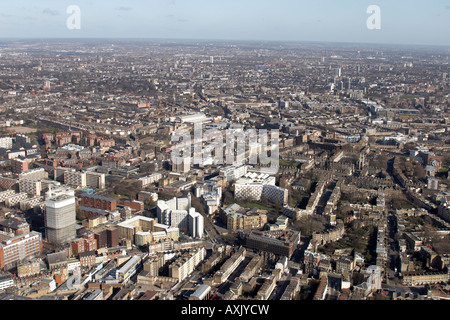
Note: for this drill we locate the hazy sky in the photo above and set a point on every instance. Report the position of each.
(402, 21)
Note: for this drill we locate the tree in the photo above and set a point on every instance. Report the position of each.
(419, 172)
(310, 224)
(197, 204)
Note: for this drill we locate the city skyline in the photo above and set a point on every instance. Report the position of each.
(402, 23)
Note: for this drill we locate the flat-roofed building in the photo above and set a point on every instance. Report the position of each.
(129, 268)
(254, 186)
(142, 230)
(97, 201)
(15, 199)
(95, 180)
(31, 187)
(246, 219)
(18, 248)
(280, 242)
(60, 216)
(183, 266)
(75, 178)
(34, 174)
(230, 265)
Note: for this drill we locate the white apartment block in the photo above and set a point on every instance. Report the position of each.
(34, 174)
(234, 172)
(254, 185)
(16, 154)
(6, 194)
(210, 193)
(28, 204)
(178, 213)
(195, 224)
(182, 165)
(145, 181)
(75, 178)
(31, 187)
(186, 264)
(14, 200)
(6, 142)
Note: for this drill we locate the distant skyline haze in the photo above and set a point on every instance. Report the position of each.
(402, 22)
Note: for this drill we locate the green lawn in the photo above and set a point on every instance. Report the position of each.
(254, 205)
(289, 163)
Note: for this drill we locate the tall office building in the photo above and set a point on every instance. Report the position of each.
(60, 215)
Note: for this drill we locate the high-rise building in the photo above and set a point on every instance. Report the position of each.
(60, 215)
(182, 165)
(338, 72)
(195, 223)
(179, 213)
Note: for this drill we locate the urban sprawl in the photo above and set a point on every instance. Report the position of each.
(94, 207)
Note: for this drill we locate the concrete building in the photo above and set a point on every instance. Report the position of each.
(254, 186)
(15, 199)
(142, 230)
(6, 281)
(95, 180)
(6, 194)
(195, 223)
(230, 265)
(178, 213)
(281, 243)
(187, 263)
(18, 248)
(60, 216)
(233, 172)
(34, 174)
(31, 187)
(74, 178)
(182, 165)
(6, 142)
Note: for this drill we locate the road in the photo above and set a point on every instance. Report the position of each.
(393, 248)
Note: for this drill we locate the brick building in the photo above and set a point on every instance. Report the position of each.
(99, 202)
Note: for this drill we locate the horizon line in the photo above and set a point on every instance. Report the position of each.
(328, 42)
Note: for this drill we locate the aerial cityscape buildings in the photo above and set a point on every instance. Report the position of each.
(97, 204)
